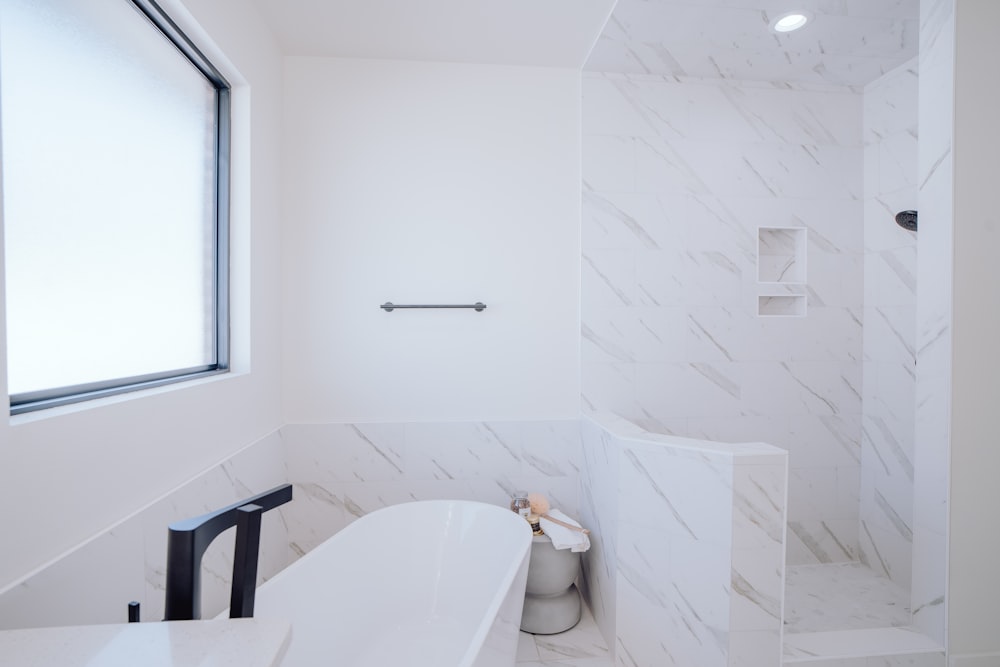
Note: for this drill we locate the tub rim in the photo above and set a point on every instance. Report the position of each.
(490, 613)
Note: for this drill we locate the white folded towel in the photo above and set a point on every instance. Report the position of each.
(562, 537)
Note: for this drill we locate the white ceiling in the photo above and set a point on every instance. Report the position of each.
(547, 33)
(848, 42)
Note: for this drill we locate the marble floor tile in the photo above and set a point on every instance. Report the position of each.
(842, 596)
(580, 646)
(526, 649)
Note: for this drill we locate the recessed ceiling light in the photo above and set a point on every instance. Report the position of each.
(790, 21)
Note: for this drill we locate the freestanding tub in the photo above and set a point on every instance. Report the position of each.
(436, 583)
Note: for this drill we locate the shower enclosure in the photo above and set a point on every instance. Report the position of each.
(744, 280)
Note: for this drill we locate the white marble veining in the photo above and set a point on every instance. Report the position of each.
(581, 642)
(256, 468)
(933, 319)
(835, 388)
(599, 501)
(713, 578)
(889, 378)
(842, 596)
(676, 524)
(244, 642)
(678, 175)
(343, 471)
(696, 534)
(580, 646)
(339, 472)
(758, 556)
(847, 43)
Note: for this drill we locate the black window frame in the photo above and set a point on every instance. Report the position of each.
(48, 398)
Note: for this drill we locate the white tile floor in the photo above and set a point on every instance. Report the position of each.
(842, 596)
(846, 615)
(580, 646)
(818, 599)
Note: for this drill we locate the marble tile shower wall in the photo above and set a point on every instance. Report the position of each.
(677, 178)
(344, 471)
(932, 448)
(599, 512)
(890, 137)
(95, 582)
(686, 566)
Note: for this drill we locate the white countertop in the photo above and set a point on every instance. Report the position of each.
(242, 642)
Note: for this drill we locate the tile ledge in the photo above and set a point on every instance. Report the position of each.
(806, 647)
(744, 452)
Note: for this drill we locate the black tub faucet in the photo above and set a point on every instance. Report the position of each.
(187, 541)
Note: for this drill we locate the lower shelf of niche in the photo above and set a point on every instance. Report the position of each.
(781, 305)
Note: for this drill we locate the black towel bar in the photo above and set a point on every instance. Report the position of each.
(478, 306)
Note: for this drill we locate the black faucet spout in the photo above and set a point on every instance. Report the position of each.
(188, 539)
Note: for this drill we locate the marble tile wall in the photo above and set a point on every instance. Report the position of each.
(933, 338)
(760, 497)
(95, 581)
(677, 177)
(888, 396)
(698, 545)
(849, 43)
(341, 472)
(599, 513)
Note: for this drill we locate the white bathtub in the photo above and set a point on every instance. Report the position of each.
(435, 583)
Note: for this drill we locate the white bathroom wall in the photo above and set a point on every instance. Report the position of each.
(974, 494)
(890, 138)
(678, 175)
(67, 474)
(95, 581)
(417, 182)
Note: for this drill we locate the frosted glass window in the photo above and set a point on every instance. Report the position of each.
(113, 150)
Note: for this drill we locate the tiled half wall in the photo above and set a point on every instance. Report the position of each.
(94, 582)
(687, 546)
(339, 472)
(687, 562)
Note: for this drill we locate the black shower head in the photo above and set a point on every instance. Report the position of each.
(907, 220)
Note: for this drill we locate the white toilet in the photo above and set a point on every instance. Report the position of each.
(551, 599)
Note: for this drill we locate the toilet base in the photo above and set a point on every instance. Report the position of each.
(551, 614)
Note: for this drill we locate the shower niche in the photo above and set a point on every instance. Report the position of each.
(781, 271)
